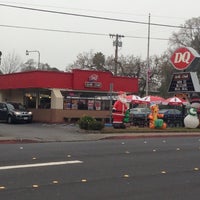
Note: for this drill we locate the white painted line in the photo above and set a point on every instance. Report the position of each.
(41, 164)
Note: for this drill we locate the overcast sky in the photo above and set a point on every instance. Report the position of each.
(59, 49)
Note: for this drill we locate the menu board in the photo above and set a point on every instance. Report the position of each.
(182, 82)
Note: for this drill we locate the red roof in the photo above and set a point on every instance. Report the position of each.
(76, 80)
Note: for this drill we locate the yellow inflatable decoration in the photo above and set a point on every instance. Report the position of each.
(154, 118)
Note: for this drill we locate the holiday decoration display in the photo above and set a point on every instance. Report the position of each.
(191, 120)
(120, 114)
(155, 120)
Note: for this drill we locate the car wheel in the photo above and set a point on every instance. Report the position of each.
(10, 121)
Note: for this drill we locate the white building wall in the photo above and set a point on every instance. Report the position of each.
(11, 95)
(56, 99)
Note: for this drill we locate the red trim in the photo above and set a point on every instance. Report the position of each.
(74, 80)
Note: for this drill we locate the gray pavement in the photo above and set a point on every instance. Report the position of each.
(41, 132)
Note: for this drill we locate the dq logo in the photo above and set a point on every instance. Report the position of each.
(93, 77)
(183, 57)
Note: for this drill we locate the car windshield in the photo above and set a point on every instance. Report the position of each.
(163, 111)
(140, 110)
(16, 106)
(170, 111)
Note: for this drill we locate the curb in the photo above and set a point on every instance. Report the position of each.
(149, 136)
(18, 141)
(96, 137)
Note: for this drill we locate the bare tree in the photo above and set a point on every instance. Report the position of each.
(99, 61)
(130, 66)
(83, 61)
(163, 70)
(188, 36)
(29, 65)
(10, 63)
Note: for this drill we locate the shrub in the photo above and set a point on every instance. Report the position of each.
(85, 121)
(96, 125)
(89, 123)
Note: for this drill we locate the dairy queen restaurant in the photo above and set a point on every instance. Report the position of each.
(58, 97)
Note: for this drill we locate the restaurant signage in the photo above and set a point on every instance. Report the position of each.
(93, 82)
(183, 57)
(184, 82)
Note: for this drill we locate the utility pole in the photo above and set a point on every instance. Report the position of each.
(147, 70)
(111, 91)
(117, 43)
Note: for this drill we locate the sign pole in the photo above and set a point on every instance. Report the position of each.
(147, 70)
(111, 91)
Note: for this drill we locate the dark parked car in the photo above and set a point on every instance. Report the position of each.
(139, 116)
(14, 112)
(173, 117)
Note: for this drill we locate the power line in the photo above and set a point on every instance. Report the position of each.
(77, 9)
(51, 30)
(140, 37)
(92, 10)
(74, 32)
(90, 16)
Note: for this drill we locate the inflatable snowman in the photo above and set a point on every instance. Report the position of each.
(191, 120)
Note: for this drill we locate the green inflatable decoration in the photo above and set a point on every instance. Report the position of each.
(127, 116)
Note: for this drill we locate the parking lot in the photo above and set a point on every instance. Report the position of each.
(39, 131)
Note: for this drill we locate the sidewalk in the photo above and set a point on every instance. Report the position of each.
(38, 132)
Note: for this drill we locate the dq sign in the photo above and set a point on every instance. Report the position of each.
(182, 58)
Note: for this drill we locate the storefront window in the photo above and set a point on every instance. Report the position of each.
(67, 104)
(45, 101)
(90, 104)
(81, 103)
(40, 99)
(98, 105)
(73, 101)
(30, 100)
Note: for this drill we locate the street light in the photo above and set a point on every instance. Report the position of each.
(27, 53)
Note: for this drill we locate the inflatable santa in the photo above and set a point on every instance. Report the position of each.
(120, 110)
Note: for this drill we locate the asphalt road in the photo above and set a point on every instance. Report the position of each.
(139, 169)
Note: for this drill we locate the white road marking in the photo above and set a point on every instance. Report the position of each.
(41, 164)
